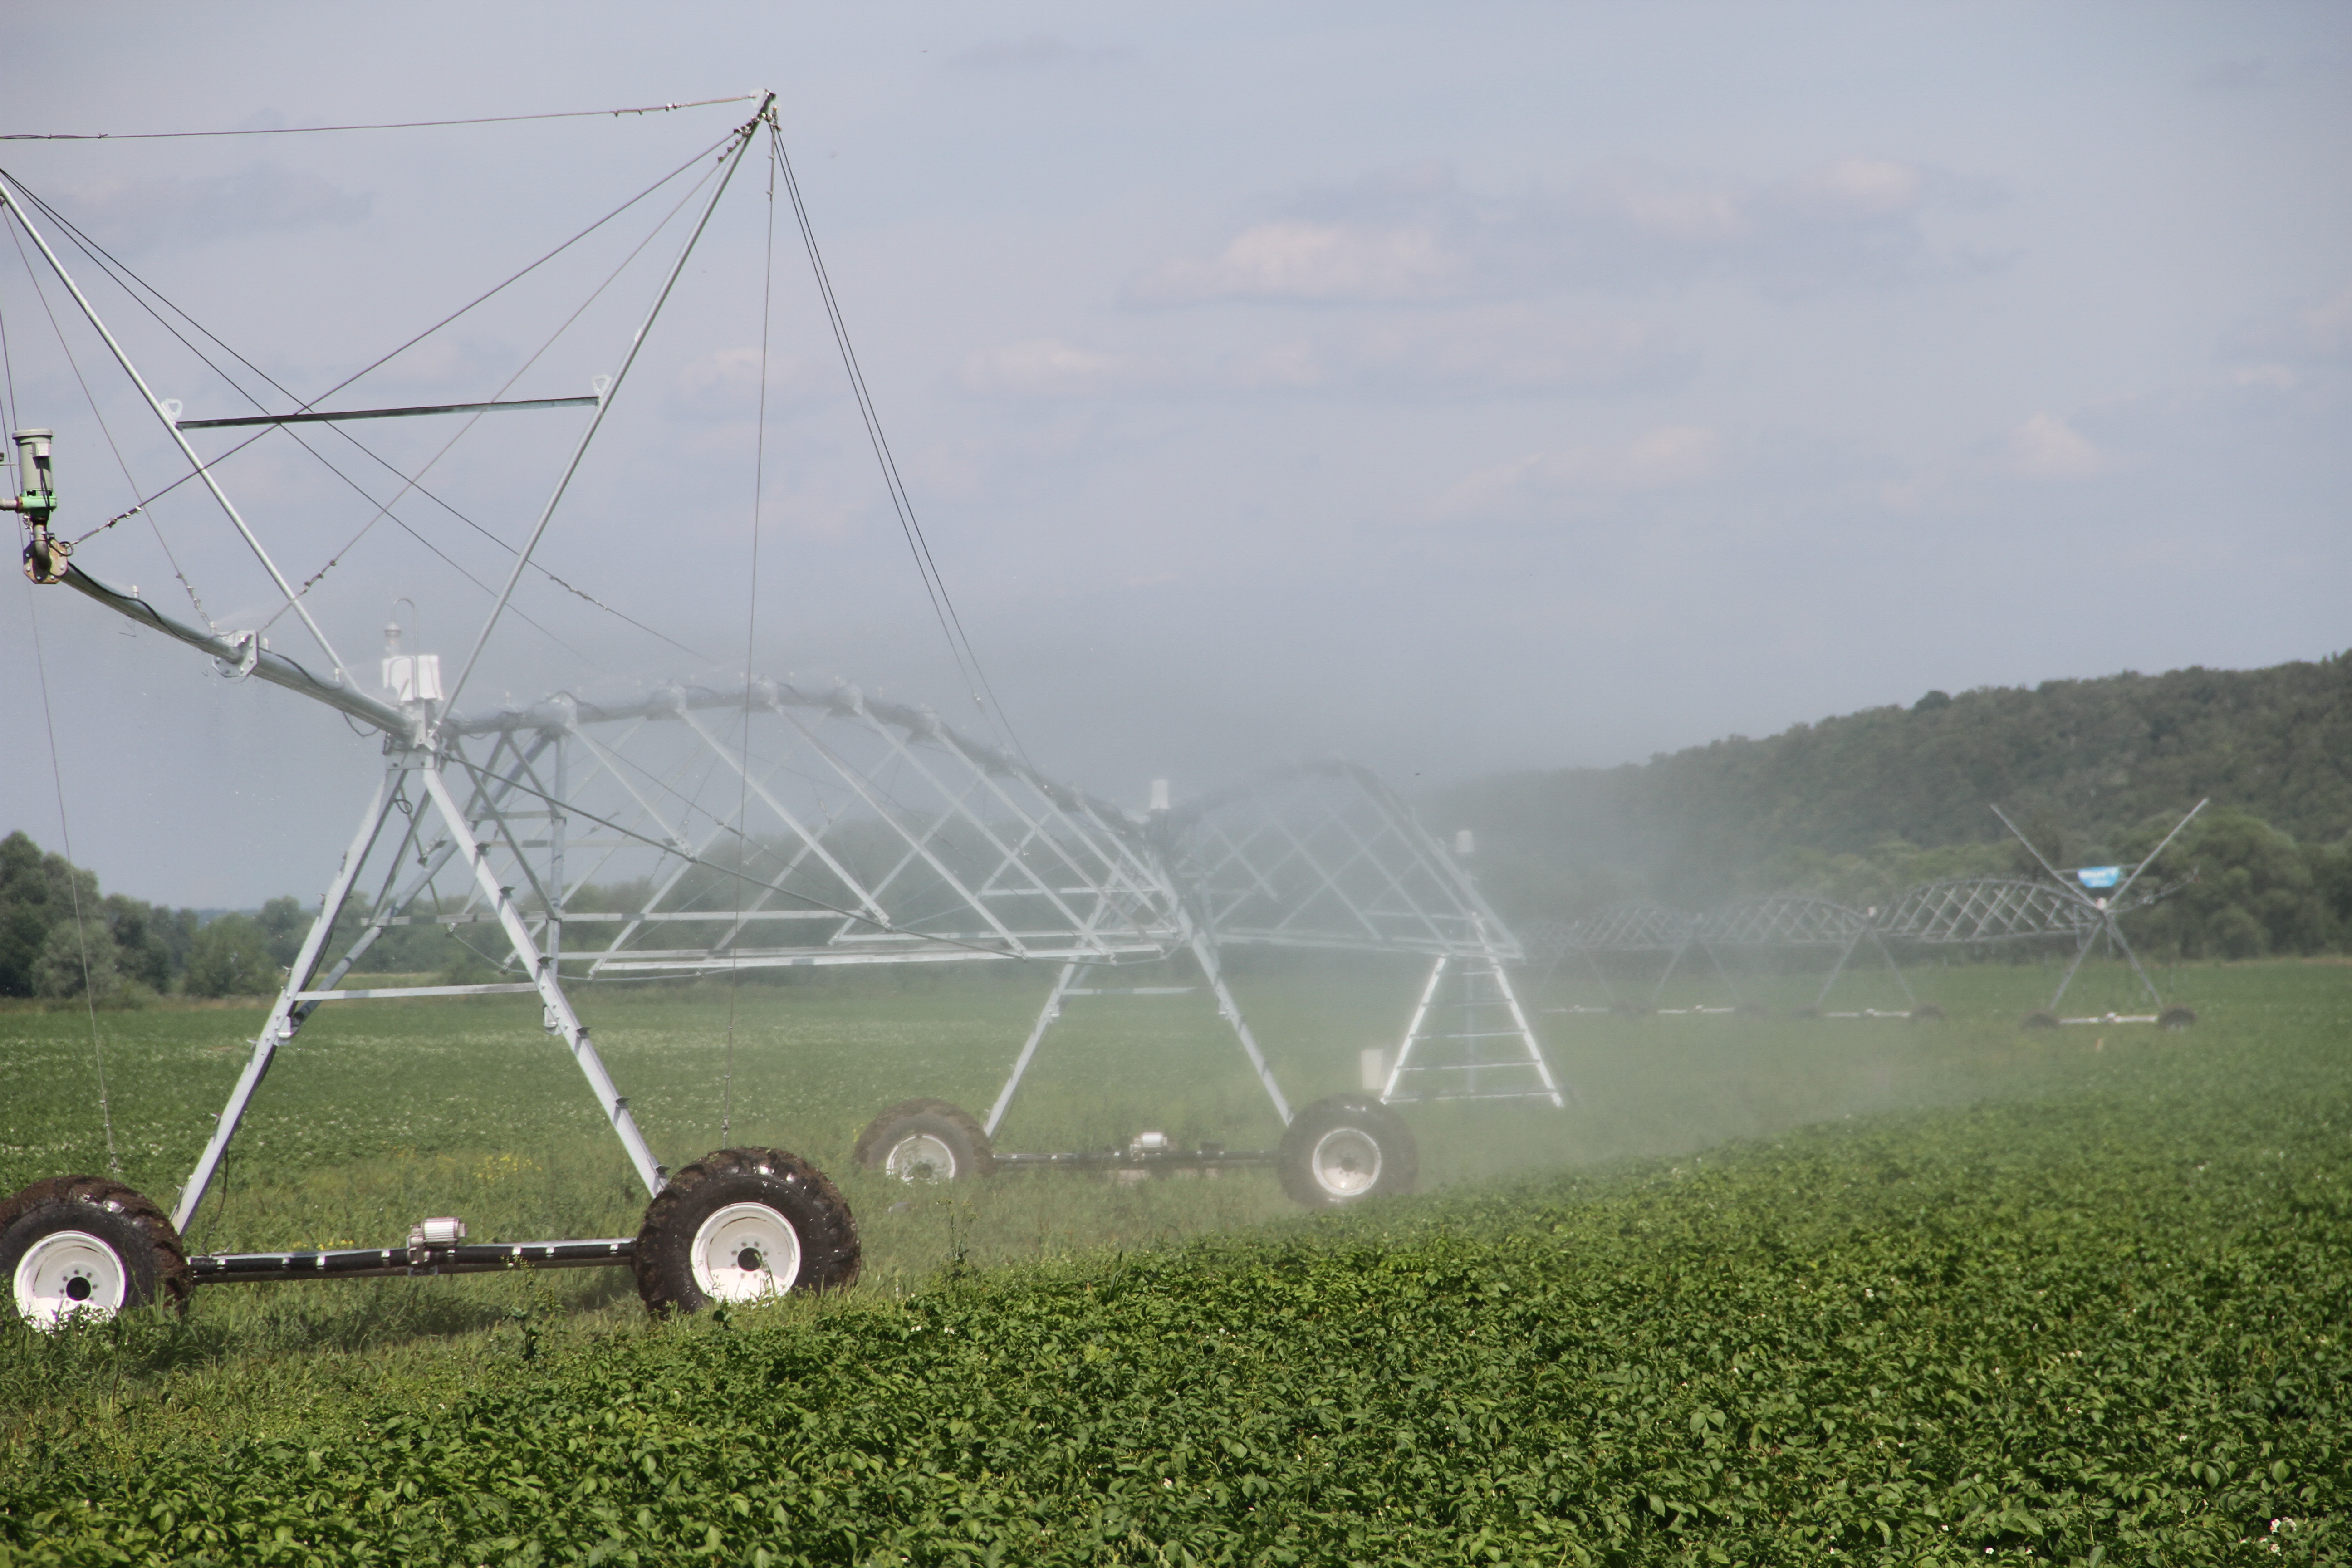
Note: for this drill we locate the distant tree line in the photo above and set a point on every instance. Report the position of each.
(1858, 807)
(131, 950)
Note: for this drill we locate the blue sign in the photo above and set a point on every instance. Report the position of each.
(2099, 876)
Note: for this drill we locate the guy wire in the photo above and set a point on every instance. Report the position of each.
(750, 638)
(73, 887)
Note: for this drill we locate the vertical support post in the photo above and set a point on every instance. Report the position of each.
(560, 1018)
(1888, 953)
(1069, 976)
(1720, 972)
(2082, 951)
(1608, 992)
(1412, 1029)
(286, 1015)
(1837, 968)
(1673, 961)
(1204, 953)
(2115, 935)
(1526, 1033)
(556, 820)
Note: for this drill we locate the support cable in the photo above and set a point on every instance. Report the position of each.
(155, 405)
(410, 482)
(73, 885)
(83, 382)
(126, 277)
(733, 873)
(392, 125)
(547, 515)
(68, 349)
(92, 246)
(750, 639)
(942, 607)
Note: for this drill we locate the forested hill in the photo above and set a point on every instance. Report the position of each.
(1858, 804)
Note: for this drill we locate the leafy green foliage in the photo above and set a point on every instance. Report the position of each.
(2257, 891)
(231, 957)
(1861, 805)
(2099, 1319)
(131, 948)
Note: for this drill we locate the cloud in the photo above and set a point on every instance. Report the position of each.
(2314, 332)
(2047, 448)
(129, 217)
(1418, 235)
(1669, 457)
(1477, 353)
(1038, 51)
(724, 384)
(1048, 367)
(1295, 259)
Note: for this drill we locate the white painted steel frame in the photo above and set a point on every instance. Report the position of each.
(298, 999)
(864, 832)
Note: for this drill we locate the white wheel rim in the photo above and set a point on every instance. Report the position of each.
(1346, 1162)
(69, 1273)
(746, 1251)
(921, 1157)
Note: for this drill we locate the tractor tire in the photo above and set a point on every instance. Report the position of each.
(1345, 1149)
(1926, 1012)
(2176, 1017)
(2040, 1018)
(926, 1140)
(743, 1225)
(89, 1246)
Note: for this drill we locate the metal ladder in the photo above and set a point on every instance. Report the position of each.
(1470, 1039)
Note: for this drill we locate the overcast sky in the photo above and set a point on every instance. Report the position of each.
(1459, 389)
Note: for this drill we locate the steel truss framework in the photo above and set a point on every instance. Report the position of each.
(1789, 923)
(756, 825)
(2096, 912)
(767, 825)
(1777, 924)
(760, 826)
(1959, 911)
(1967, 911)
(1325, 855)
(1620, 930)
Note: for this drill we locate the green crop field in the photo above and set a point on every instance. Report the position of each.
(1774, 1290)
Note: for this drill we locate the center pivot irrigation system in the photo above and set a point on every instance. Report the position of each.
(2081, 906)
(1319, 856)
(759, 823)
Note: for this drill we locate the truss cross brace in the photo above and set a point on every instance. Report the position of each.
(1065, 986)
(297, 1000)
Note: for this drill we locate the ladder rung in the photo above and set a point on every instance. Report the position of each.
(1477, 1035)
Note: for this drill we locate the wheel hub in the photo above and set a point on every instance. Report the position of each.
(744, 1252)
(69, 1273)
(921, 1157)
(1346, 1162)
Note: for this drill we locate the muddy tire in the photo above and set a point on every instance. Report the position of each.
(88, 1247)
(1926, 1012)
(2040, 1018)
(1751, 1010)
(926, 1140)
(1345, 1149)
(741, 1224)
(2176, 1017)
